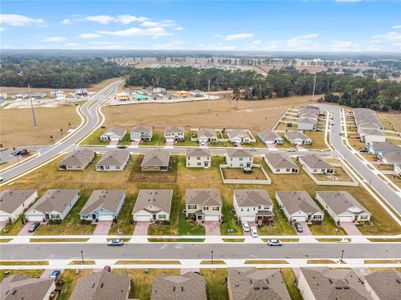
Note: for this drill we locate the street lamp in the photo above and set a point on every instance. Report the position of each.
(82, 255)
(212, 257)
(342, 256)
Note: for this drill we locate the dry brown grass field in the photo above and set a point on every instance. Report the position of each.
(394, 120)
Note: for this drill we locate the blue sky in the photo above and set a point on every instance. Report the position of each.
(309, 25)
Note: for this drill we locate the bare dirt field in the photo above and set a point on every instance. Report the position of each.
(16, 125)
(393, 120)
(252, 115)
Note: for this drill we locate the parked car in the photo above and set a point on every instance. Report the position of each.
(291, 150)
(245, 226)
(1, 179)
(122, 147)
(33, 227)
(248, 170)
(275, 243)
(107, 269)
(254, 232)
(298, 227)
(55, 274)
(115, 243)
(252, 150)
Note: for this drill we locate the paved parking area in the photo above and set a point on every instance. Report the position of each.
(141, 228)
(102, 227)
(169, 144)
(24, 230)
(305, 228)
(212, 227)
(350, 228)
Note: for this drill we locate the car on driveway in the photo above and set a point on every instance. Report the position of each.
(274, 243)
(55, 274)
(291, 150)
(33, 227)
(254, 232)
(298, 227)
(106, 269)
(115, 243)
(245, 226)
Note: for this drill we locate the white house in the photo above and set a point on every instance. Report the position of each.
(203, 204)
(198, 158)
(206, 135)
(371, 135)
(253, 206)
(281, 164)
(113, 160)
(113, 134)
(390, 158)
(239, 136)
(14, 202)
(239, 158)
(315, 164)
(270, 137)
(103, 205)
(173, 133)
(153, 205)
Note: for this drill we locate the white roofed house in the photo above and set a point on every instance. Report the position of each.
(203, 204)
(103, 205)
(371, 135)
(297, 138)
(113, 134)
(281, 164)
(141, 133)
(239, 158)
(198, 158)
(390, 158)
(206, 135)
(153, 205)
(270, 137)
(239, 136)
(14, 202)
(315, 164)
(253, 206)
(77, 161)
(176, 134)
(114, 160)
(308, 117)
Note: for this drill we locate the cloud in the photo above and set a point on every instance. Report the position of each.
(150, 24)
(396, 27)
(304, 42)
(66, 21)
(237, 36)
(256, 42)
(135, 31)
(178, 28)
(54, 39)
(389, 36)
(344, 46)
(18, 20)
(128, 19)
(89, 35)
(102, 19)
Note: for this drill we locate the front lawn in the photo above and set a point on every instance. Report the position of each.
(94, 138)
(216, 283)
(229, 224)
(124, 225)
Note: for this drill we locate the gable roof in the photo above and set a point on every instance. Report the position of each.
(114, 158)
(174, 129)
(17, 287)
(239, 152)
(198, 152)
(280, 161)
(292, 135)
(295, 201)
(205, 197)
(106, 199)
(187, 286)
(153, 201)
(119, 131)
(392, 157)
(387, 146)
(142, 129)
(55, 200)
(314, 161)
(341, 201)
(208, 132)
(252, 283)
(269, 136)
(242, 133)
(80, 158)
(10, 200)
(102, 286)
(386, 284)
(249, 198)
(156, 158)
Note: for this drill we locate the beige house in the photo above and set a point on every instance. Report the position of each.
(113, 134)
(113, 160)
(315, 164)
(173, 133)
(153, 205)
(239, 136)
(156, 160)
(253, 206)
(78, 160)
(141, 133)
(270, 137)
(239, 158)
(384, 285)
(203, 204)
(206, 135)
(281, 164)
(18, 286)
(297, 138)
(14, 202)
(198, 158)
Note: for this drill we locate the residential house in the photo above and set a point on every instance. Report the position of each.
(81, 92)
(58, 94)
(270, 137)
(173, 133)
(156, 160)
(253, 283)
(239, 136)
(101, 286)
(253, 206)
(78, 160)
(366, 118)
(196, 93)
(188, 286)
(14, 202)
(308, 117)
(281, 163)
(298, 206)
(18, 286)
(297, 138)
(198, 158)
(54, 204)
(203, 204)
(159, 90)
(113, 160)
(390, 158)
(379, 148)
(326, 284)
(397, 169)
(371, 135)
(207, 135)
(342, 207)
(153, 205)
(103, 205)
(384, 285)
(239, 158)
(141, 133)
(314, 164)
(113, 134)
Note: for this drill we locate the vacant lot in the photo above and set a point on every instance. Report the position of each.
(16, 125)
(391, 121)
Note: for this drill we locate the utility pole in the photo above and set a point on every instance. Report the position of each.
(314, 88)
(342, 256)
(32, 108)
(82, 255)
(212, 257)
(208, 88)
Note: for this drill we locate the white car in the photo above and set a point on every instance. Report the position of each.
(275, 243)
(254, 232)
(245, 226)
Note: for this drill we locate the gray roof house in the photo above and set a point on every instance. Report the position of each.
(78, 160)
(239, 158)
(156, 160)
(188, 286)
(198, 158)
(297, 138)
(102, 286)
(308, 117)
(206, 135)
(299, 206)
(252, 283)
(174, 133)
(239, 136)
(18, 286)
(54, 204)
(141, 133)
(153, 205)
(14, 202)
(253, 206)
(270, 137)
(314, 164)
(114, 134)
(113, 160)
(369, 135)
(384, 285)
(379, 148)
(203, 204)
(281, 163)
(342, 207)
(326, 284)
(390, 158)
(103, 205)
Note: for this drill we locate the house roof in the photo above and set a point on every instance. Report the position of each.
(80, 158)
(239, 152)
(335, 284)
(208, 132)
(252, 283)
(156, 158)
(198, 152)
(103, 199)
(292, 135)
(206, 197)
(370, 131)
(187, 286)
(341, 201)
(280, 161)
(242, 133)
(385, 146)
(392, 157)
(114, 158)
(142, 129)
(249, 198)
(308, 120)
(102, 286)
(366, 118)
(268, 135)
(10, 200)
(55, 200)
(314, 161)
(298, 201)
(174, 129)
(119, 131)
(386, 284)
(18, 286)
(153, 201)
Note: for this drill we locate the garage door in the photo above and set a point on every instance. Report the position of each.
(299, 219)
(4, 218)
(248, 219)
(346, 218)
(106, 218)
(211, 218)
(142, 218)
(35, 218)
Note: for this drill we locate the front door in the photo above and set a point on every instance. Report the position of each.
(94, 217)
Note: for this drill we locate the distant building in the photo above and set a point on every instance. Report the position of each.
(173, 133)
(206, 135)
(122, 96)
(81, 92)
(113, 134)
(141, 133)
(270, 137)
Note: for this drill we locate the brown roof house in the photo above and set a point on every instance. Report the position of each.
(54, 204)
(14, 202)
(384, 285)
(188, 286)
(113, 160)
(239, 158)
(18, 287)
(198, 158)
(77, 161)
(253, 206)
(153, 205)
(203, 204)
(252, 283)
(102, 286)
(239, 136)
(281, 164)
(103, 205)
(270, 137)
(297, 138)
(315, 164)
(156, 160)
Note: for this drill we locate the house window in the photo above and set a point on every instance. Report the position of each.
(206, 208)
(363, 217)
(162, 216)
(260, 207)
(198, 158)
(242, 209)
(199, 164)
(241, 159)
(317, 217)
(191, 206)
(216, 208)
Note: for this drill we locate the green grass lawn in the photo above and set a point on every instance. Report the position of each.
(328, 227)
(216, 283)
(189, 227)
(94, 138)
(124, 225)
(229, 224)
(280, 226)
(126, 141)
(291, 283)
(157, 140)
(286, 143)
(318, 141)
(30, 273)
(70, 278)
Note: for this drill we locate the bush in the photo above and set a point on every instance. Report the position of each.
(55, 222)
(86, 222)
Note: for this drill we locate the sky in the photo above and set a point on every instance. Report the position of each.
(286, 25)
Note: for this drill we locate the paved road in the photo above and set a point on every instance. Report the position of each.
(197, 251)
(336, 141)
(7, 154)
(90, 111)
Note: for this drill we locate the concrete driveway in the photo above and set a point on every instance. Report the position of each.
(212, 227)
(135, 144)
(24, 230)
(251, 224)
(102, 227)
(141, 228)
(305, 228)
(350, 228)
(2, 225)
(47, 273)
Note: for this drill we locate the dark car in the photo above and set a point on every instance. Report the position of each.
(107, 269)
(298, 227)
(122, 147)
(115, 243)
(33, 227)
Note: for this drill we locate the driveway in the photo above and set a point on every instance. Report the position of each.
(113, 143)
(102, 227)
(350, 228)
(212, 227)
(24, 230)
(169, 144)
(141, 228)
(305, 228)
(251, 224)
(2, 225)
(46, 273)
(135, 144)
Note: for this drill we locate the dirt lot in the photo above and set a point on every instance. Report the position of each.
(16, 126)
(391, 121)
